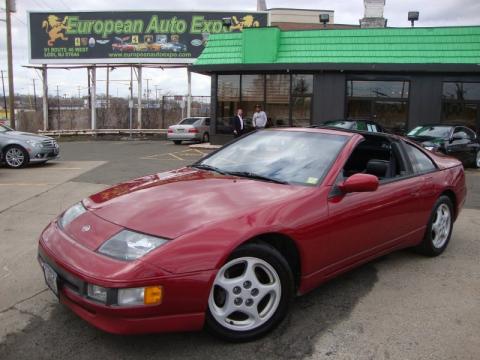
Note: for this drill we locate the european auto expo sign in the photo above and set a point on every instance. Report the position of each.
(129, 37)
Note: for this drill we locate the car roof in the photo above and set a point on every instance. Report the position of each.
(339, 131)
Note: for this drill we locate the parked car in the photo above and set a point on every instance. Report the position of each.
(458, 141)
(20, 148)
(228, 242)
(190, 129)
(355, 124)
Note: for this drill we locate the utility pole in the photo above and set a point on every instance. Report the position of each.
(58, 108)
(34, 94)
(11, 93)
(4, 96)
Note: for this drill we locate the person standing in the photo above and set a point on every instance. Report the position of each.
(238, 124)
(259, 120)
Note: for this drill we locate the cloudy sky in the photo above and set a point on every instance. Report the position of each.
(432, 13)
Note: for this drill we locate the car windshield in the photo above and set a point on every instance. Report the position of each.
(4, 128)
(294, 157)
(340, 124)
(189, 121)
(431, 131)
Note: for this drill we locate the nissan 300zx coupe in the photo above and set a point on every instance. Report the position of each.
(226, 243)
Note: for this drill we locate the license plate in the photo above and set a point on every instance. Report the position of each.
(50, 278)
(180, 130)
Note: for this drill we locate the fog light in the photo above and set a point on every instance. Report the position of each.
(97, 293)
(151, 295)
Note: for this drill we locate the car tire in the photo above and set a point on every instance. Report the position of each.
(254, 306)
(205, 138)
(15, 157)
(177, 142)
(476, 161)
(439, 228)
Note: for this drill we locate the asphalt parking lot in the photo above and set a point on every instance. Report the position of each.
(402, 306)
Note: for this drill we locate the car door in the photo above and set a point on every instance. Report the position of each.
(458, 145)
(362, 224)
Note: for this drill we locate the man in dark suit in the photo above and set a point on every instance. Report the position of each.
(238, 124)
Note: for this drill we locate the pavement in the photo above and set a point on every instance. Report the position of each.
(401, 306)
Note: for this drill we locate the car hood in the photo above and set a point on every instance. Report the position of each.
(173, 203)
(26, 136)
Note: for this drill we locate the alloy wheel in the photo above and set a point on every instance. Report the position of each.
(441, 226)
(245, 294)
(14, 157)
(478, 159)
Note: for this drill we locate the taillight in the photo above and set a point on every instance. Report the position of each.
(193, 130)
(170, 130)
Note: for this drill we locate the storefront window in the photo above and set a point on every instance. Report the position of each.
(461, 91)
(302, 84)
(287, 99)
(253, 92)
(378, 89)
(278, 99)
(228, 100)
(461, 104)
(301, 108)
(385, 102)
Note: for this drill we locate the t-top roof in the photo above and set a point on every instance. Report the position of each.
(270, 45)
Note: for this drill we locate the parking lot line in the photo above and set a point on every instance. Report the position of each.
(24, 184)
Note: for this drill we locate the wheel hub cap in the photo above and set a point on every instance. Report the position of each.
(14, 157)
(441, 226)
(245, 294)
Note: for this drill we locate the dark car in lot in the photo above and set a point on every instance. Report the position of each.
(355, 124)
(457, 141)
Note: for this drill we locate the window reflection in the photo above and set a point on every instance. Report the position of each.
(385, 102)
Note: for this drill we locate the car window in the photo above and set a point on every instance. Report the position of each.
(296, 157)
(375, 156)
(431, 131)
(361, 125)
(341, 124)
(207, 122)
(421, 163)
(464, 133)
(188, 121)
(4, 128)
(459, 132)
(372, 127)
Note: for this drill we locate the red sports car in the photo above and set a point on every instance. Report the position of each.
(227, 242)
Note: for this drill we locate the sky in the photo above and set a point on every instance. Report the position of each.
(174, 81)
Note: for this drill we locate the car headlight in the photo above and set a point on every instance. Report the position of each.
(98, 293)
(150, 295)
(129, 245)
(430, 148)
(34, 143)
(71, 214)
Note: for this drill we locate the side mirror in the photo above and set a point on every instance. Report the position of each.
(359, 183)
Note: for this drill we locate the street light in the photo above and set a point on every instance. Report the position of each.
(413, 16)
(324, 19)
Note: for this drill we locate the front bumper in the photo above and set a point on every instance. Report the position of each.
(43, 154)
(183, 305)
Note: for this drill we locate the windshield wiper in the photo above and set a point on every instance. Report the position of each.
(251, 175)
(208, 167)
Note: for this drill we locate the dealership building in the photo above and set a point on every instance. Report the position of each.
(399, 77)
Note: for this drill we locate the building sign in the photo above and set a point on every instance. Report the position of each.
(129, 37)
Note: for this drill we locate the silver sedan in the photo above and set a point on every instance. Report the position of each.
(17, 149)
(190, 129)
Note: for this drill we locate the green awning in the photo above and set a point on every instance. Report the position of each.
(447, 45)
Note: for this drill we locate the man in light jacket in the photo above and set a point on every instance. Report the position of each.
(259, 120)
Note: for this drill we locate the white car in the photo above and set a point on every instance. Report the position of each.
(190, 129)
